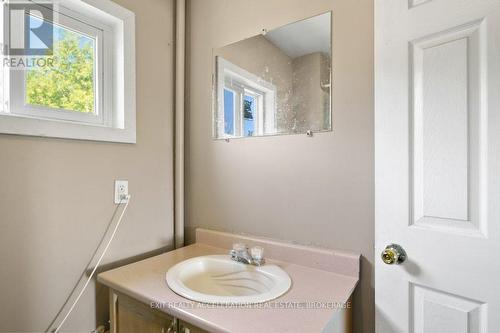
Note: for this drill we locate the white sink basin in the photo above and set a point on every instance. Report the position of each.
(218, 279)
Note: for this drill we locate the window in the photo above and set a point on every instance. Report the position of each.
(249, 113)
(71, 89)
(246, 104)
(85, 88)
(70, 85)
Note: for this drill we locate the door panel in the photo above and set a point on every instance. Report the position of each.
(436, 311)
(446, 119)
(437, 164)
(188, 328)
(131, 316)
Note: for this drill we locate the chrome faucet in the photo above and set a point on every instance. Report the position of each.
(240, 253)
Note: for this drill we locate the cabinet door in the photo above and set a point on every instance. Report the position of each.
(188, 328)
(131, 316)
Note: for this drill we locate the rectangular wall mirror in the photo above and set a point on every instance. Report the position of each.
(278, 82)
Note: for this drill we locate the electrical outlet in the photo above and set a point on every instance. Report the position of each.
(121, 191)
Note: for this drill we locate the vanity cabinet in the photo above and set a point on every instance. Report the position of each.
(128, 315)
(188, 328)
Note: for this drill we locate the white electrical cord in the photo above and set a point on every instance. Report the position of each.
(96, 265)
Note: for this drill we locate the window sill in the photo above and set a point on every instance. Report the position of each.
(19, 125)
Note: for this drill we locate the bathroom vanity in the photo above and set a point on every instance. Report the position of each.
(322, 282)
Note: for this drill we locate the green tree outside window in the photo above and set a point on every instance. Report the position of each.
(69, 83)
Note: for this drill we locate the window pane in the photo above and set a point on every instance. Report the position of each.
(248, 115)
(228, 112)
(69, 83)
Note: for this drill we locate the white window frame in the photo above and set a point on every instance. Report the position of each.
(102, 79)
(236, 79)
(113, 28)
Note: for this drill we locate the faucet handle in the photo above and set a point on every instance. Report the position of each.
(239, 247)
(257, 254)
(238, 250)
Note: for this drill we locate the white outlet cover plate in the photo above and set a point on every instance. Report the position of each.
(121, 188)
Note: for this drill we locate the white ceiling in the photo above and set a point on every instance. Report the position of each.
(303, 37)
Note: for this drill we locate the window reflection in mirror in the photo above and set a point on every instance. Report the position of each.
(275, 83)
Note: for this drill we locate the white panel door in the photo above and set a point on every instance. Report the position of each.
(437, 165)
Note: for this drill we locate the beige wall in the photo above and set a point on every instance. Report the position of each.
(310, 190)
(56, 196)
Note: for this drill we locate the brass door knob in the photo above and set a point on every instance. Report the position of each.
(393, 254)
